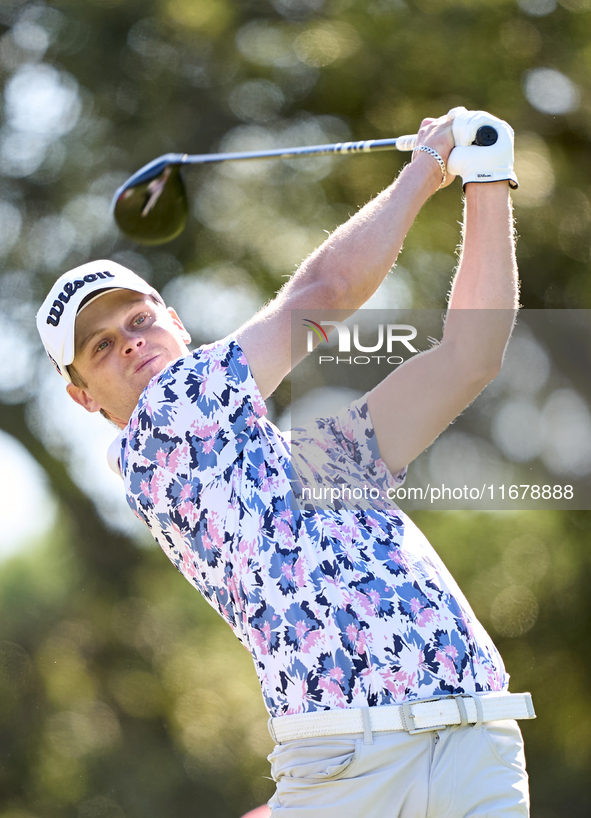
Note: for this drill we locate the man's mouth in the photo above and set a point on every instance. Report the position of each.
(144, 362)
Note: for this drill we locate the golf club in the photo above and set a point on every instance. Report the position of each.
(151, 206)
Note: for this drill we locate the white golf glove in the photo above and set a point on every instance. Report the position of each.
(475, 163)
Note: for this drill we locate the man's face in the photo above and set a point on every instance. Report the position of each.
(123, 339)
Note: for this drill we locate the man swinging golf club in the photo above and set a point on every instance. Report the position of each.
(387, 697)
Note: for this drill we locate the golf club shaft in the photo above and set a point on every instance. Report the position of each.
(156, 166)
(400, 143)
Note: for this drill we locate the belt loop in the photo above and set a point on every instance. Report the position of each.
(367, 731)
(463, 712)
(479, 713)
(272, 731)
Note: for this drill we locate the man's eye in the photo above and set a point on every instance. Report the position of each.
(102, 345)
(140, 320)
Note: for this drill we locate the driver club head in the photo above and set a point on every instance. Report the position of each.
(152, 209)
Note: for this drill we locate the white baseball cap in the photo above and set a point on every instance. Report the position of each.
(71, 293)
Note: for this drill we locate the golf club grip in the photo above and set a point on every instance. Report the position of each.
(406, 143)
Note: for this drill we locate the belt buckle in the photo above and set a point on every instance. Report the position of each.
(408, 721)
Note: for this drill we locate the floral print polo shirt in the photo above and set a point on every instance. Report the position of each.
(340, 606)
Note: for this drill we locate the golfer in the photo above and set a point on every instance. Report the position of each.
(387, 696)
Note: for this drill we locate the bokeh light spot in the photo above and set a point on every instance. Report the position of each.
(537, 8)
(76, 734)
(534, 170)
(514, 611)
(550, 91)
(566, 431)
(20, 155)
(266, 44)
(214, 303)
(39, 99)
(49, 242)
(206, 15)
(526, 559)
(324, 43)
(516, 429)
(256, 100)
(526, 367)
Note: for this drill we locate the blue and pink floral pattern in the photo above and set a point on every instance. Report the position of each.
(339, 606)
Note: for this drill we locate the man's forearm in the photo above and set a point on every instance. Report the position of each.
(487, 273)
(486, 278)
(351, 264)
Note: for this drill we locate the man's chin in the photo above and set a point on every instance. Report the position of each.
(150, 369)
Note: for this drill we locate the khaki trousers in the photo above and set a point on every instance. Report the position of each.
(456, 772)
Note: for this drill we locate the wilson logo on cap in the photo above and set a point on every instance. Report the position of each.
(57, 308)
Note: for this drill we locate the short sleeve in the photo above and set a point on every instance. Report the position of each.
(195, 418)
(339, 452)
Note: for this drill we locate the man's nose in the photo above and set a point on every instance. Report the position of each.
(131, 344)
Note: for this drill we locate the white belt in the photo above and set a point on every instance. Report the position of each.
(414, 717)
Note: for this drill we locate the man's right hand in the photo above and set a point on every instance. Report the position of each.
(436, 134)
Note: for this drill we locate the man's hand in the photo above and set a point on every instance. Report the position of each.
(473, 163)
(436, 134)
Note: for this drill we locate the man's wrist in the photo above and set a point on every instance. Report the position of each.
(478, 189)
(427, 169)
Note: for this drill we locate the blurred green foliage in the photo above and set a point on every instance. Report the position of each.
(121, 692)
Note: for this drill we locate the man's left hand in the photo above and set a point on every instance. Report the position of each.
(493, 163)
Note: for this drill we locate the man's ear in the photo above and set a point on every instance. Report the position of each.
(179, 325)
(81, 397)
